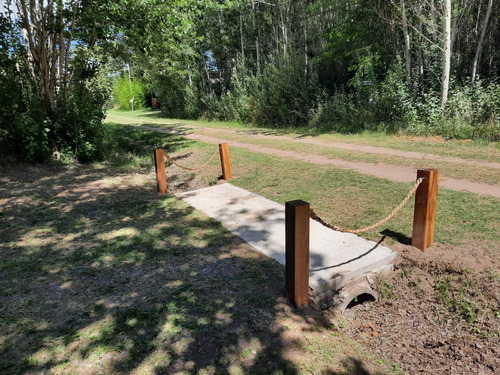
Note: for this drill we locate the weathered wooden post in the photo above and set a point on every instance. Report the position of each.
(225, 161)
(161, 175)
(424, 216)
(297, 251)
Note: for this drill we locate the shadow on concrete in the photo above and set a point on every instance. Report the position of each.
(318, 259)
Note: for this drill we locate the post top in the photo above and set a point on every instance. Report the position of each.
(296, 203)
(428, 170)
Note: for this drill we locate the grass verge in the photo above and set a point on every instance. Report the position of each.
(102, 275)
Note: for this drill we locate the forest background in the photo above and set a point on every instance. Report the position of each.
(416, 67)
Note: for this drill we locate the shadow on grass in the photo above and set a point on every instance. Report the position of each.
(102, 274)
(352, 366)
(126, 143)
(400, 237)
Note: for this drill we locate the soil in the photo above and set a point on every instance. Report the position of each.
(416, 325)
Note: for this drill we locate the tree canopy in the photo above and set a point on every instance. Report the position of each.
(395, 65)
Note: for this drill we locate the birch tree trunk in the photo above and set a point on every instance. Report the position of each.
(479, 48)
(406, 37)
(446, 51)
(241, 40)
(257, 44)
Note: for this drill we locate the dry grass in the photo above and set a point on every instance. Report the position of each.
(101, 275)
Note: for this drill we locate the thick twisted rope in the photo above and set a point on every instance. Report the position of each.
(169, 158)
(314, 216)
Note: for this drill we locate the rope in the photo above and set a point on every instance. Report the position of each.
(169, 158)
(314, 216)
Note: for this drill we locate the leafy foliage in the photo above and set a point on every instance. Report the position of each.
(126, 91)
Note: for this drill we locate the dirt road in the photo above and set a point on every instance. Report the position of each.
(379, 170)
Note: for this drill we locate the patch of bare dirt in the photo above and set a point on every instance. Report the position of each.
(438, 312)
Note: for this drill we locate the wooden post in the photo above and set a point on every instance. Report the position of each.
(161, 175)
(424, 216)
(225, 161)
(297, 251)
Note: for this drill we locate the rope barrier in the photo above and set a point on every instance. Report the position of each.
(169, 158)
(314, 216)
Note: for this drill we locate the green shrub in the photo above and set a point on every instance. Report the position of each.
(125, 90)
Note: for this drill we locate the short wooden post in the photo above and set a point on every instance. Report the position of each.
(424, 216)
(161, 175)
(225, 161)
(297, 251)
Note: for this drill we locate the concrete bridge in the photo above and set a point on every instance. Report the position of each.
(342, 265)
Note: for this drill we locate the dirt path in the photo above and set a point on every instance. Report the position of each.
(365, 148)
(339, 145)
(379, 170)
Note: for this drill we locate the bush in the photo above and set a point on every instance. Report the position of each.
(472, 112)
(125, 91)
(383, 106)
(73, 128)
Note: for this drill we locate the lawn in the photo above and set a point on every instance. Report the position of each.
(100, 274)
(467, 149)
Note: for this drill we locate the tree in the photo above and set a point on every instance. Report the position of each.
(479, 48)
(445, 80)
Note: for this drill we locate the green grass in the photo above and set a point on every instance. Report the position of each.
(447, 169)
(352, 200)
(99, 271)
(473, 150)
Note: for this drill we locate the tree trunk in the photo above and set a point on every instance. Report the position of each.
(479, 48)
(257, 44)
(406, 37)
(446, 51)
(241, 40)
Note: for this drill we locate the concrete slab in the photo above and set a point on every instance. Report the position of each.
(336, 259)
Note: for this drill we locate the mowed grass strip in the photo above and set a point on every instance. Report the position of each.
(452, 170)
(473, 150)
(352, 200)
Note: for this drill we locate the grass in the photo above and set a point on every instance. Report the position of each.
(473, 150)
(349, 199)
(100, 274)
(447, 169)
(352, 200)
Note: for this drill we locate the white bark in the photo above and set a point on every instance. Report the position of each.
(406, 37)
(479, 48)
(446, 51)
(257, 44)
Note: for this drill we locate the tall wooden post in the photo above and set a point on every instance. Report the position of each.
(297, 251)
(161, 175)
(225, 161)
(424, 216)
